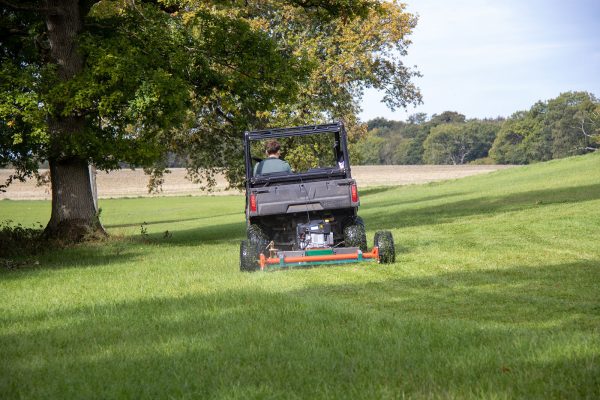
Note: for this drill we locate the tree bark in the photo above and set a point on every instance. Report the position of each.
(74, 215)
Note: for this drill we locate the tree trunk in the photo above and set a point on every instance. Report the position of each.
(74, 215)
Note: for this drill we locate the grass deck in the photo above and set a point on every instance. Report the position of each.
(495, 294)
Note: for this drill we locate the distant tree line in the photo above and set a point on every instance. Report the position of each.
(564, 126)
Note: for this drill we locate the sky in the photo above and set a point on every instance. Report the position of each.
(491, 58)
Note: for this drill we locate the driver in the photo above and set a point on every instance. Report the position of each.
(272, 163)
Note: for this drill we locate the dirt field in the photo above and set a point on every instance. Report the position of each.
(127, 183)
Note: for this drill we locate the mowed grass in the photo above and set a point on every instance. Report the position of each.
(495, 294)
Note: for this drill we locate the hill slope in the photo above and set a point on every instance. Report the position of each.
(495, 294)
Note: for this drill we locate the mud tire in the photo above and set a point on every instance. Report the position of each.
(354, 234)
(257, 236)
(385, 242)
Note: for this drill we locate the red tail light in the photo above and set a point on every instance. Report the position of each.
(354, 193)
(253, 202)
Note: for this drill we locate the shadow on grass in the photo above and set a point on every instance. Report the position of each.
(396, 202)
(375, 190)
(233, 231)
(449, 211)
(119, 250)
(80, 256)
(444, 336)
(170, 221)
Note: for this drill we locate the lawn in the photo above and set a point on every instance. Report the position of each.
(495, 293)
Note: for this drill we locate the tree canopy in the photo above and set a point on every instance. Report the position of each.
(566, 125)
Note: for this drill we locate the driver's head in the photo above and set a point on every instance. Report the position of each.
(272, 148)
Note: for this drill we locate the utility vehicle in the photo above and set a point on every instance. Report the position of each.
(307, 216)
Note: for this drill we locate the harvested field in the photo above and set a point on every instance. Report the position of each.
(394, 175)
(133, 183)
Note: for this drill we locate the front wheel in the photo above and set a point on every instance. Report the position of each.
(385, 243)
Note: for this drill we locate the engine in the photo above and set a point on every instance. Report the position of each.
(315, 234)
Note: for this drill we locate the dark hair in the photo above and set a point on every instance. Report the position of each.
(272, 147)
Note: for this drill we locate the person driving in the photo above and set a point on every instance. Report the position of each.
(272, 163)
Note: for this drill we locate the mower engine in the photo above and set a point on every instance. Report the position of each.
(315, 234)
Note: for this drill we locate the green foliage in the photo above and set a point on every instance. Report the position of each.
(447, 144)
(494, 294)
(301, 158)
(560, 127)
(447, 117)
(188, 77)
(483, 161)
(508, 147)
(483, 133)
(18, 240)
(556, 128)
(444, 139)
(369, 150)
(343, 56)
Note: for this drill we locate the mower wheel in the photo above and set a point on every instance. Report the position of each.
(354, 234)
(249, 256)
(385, 242)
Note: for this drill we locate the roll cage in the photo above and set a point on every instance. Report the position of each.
(340, 149)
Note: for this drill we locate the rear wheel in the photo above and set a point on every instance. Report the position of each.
(385, 243)
(354, 234)
(249, 255)
(257, 236)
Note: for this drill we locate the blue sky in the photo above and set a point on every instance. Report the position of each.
(492, 58)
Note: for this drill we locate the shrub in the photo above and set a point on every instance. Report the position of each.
(17, 240)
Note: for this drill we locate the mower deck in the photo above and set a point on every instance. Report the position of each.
(287, 259)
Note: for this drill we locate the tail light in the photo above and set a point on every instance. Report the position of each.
(354, 193)
(253, 202)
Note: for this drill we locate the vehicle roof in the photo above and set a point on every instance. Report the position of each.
(295, 131)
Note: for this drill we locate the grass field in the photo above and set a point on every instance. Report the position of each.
(495, 294)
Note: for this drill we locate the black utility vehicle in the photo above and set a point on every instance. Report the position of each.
(308, 216)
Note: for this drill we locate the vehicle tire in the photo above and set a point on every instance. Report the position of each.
(257, 236)
(249, 257)
(354, 234)
(385, 242)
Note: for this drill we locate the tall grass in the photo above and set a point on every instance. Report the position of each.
(495, 294)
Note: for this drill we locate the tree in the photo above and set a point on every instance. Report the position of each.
(346, 56)
(484, 133)
(568, 117)
(104, 82)
(447, 117)
(589, 125)
(556, 128)
(448, 144)
(417, 119)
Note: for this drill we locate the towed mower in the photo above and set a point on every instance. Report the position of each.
(307, 216)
